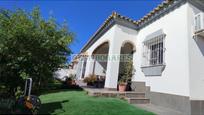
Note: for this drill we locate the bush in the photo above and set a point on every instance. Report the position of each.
(90, 79)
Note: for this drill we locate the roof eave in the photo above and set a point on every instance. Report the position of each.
(110, 21)
(162, 9)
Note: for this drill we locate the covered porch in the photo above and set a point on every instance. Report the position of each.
(107, 66)
(107, 51)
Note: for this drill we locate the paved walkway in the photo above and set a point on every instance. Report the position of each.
(158, 109)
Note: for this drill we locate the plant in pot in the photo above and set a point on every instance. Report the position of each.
(126, 76)
(90, 79)
(122, 85)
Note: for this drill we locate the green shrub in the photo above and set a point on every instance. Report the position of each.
(90, 78)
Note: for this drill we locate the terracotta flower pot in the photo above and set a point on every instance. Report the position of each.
(122, 87)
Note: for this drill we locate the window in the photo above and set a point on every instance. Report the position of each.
(153, 53)
(199, 22)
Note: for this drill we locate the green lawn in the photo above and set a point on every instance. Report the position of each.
(79, 103)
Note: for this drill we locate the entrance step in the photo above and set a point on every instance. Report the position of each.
(138, 100)
(134, 95)
(118, 94)
(131, 97)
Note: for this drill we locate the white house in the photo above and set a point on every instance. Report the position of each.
(168, 54)
(63, 73)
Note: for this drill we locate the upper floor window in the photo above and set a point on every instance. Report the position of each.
(153, 53)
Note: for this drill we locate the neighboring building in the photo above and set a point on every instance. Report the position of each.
(168, 53)
(78, 65)
(63, 73)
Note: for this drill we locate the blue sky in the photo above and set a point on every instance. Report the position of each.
(84, 17)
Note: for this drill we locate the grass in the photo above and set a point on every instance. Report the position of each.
(79, 103)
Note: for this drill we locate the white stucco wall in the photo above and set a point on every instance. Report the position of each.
(196, 58)
(184, 56)
(99, 70)
(116, 36)
(122, 35)
(78, 69)
(175, 77)
(104, 38)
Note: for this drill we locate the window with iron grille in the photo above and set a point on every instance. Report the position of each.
(153, 53)
(197, 22)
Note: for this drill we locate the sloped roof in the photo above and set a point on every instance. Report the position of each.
(114, 17)
(161, 9)
(162, 6)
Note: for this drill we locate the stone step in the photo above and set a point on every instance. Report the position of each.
(135, 95)
(121, 95)
(138, 100)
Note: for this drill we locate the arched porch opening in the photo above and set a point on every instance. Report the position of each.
(100, 59)
(126, 54)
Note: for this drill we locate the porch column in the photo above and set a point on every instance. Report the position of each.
(113, 66)
(82, 67)
(79, 69)
(89, 66)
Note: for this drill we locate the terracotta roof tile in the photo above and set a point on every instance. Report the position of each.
(114, 15)
(160, 7)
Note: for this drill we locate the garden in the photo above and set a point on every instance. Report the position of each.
(31, 50)
(77, 102)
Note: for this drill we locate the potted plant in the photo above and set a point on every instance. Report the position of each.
(86, 80)
(126, 76)
(122, 86)
(90, 79)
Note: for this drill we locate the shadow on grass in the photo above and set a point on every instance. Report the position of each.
(49, 108)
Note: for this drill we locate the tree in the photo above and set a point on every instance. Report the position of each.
(30, 46)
